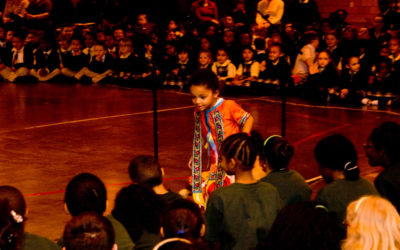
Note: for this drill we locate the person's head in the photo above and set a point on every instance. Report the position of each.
(331, 39)
(172, 25)
(383, 145)
(125, 46)
(138, 209)
(311, 37)
(247, 54)
(353, 64)
(11, 227)
(205, 57)
(372, 223)
(183, 55)
(205, 43)
(100, 36)
(238, 152)
(18, 41)
(85, 193)
(204, 88)
(89, 231)
(76, 44)
(63, 43)
(275, 52)
(222, 56)
(142, 19)
(336, 155)
(303, 225)
(118, 34)
(324, 58)
(245, 39)
(170, 49)
(228, 37)
(363, 33)
(99, 50)
(15, 199)
(109, 41)
(394, 46)
(259, 43)
(277, 152)
(67, 31)
(228, 21)
(182, 219)
(145, 171)
(9, 35)
(89, 40)
(46, 43)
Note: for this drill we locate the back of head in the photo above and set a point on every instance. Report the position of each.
(138, 209)
(240, 147)
(182, 219)
(146, 171)
(85, 193)
(204, 77)
(277, 152)
(11, 227)
(373, 223)
(304, 225)
(387, 137)
(15, 199)
(336, 152)
(88, 231)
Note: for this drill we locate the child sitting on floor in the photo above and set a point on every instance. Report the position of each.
(223, 68)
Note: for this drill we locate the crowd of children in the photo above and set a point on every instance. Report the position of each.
(327, 60)
(274, 212)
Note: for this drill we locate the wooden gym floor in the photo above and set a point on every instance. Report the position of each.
(51, 132)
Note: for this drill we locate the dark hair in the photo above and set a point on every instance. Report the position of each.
(204, 77)
(15, 199)
(11, 228)
(259, 43)
(138, 209)
(146, 171)
(277, 45)
(336, 152)
(89, 231)
(387, 137)
(278, 152)
(304, 225)
(240, 147)
(182, 219)
(85, 193)
(309, 36)
(97, 43)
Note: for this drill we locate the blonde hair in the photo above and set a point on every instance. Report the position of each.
(372, 224)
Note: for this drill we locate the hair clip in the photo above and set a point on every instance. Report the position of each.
(322, 207)
(95, 193)
(180, 232)
(91, 235)
(269, 138)
(348, 164)
(17, 217)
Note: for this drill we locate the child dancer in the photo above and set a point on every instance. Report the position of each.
(215, 119)
(240, 216)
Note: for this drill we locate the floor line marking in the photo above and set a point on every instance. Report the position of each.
(319, 134)
(97, 118)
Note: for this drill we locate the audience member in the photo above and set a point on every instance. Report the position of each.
(337, 161)
(372, 223)
(146, 171)
(382, 149)
(87, 231)
(14, 236)
(239, 216)
(139, 210)
(292, 187)
(223, 67)
(304, 225)
(87, 193)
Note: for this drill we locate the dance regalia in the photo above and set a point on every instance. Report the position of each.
(225, 118)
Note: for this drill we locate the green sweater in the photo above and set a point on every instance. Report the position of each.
(241, 215)
(291, 186)
(339, 193)
(36, 242)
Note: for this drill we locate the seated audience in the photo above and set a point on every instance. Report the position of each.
(87, 193)
(89, 231)
(13, 212)
(146, 171)
(292, 187)
(382, 149)
(337, 161)
(372, 223)
(239, 216)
